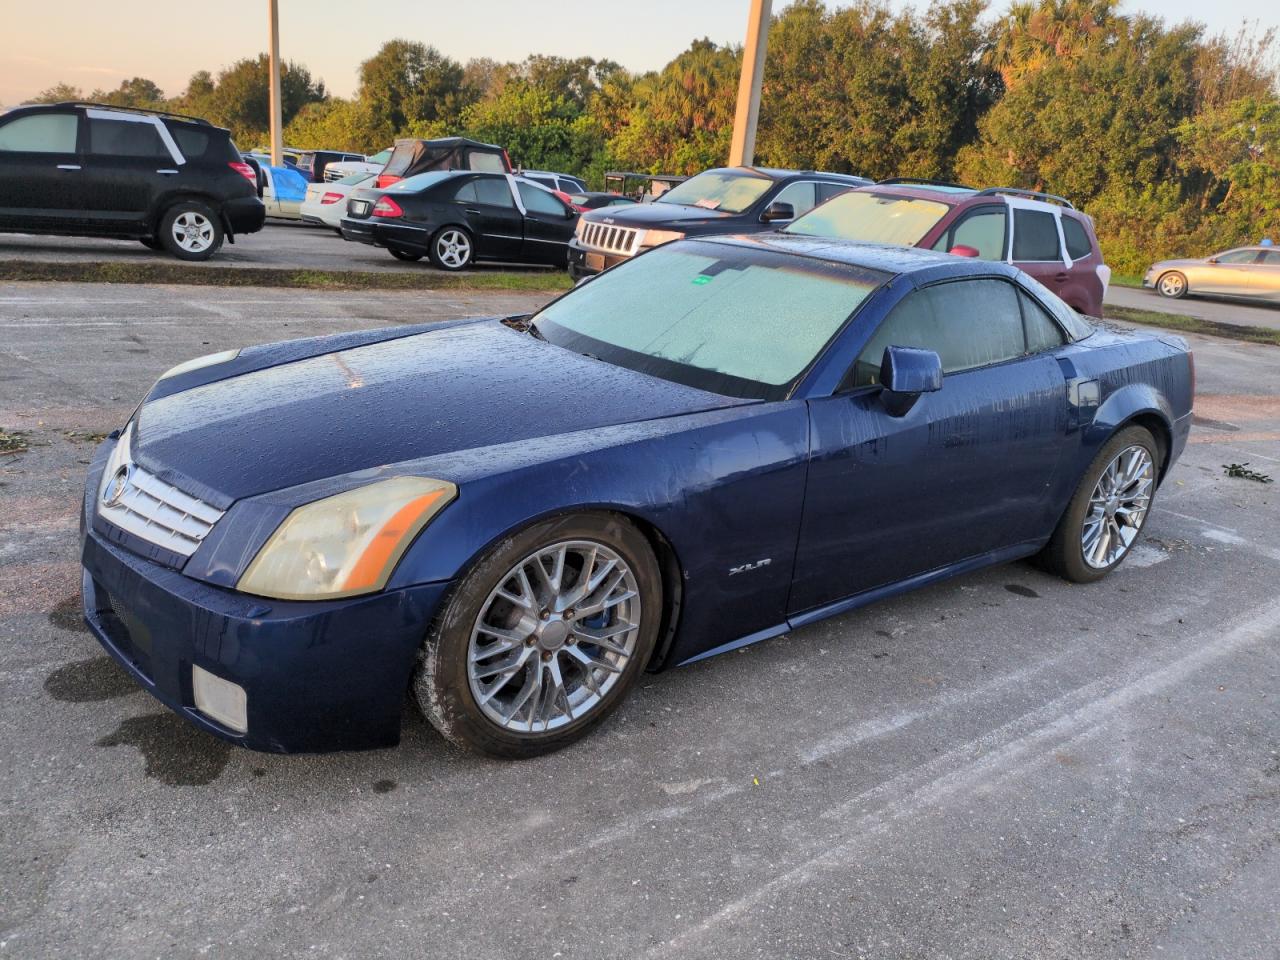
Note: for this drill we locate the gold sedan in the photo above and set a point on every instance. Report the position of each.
(1252, 272)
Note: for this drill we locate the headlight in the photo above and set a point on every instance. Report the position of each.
(345, 544)
(208, 360)
(655, 238)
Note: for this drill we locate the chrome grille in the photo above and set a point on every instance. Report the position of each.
(142, 504)
(611, 239)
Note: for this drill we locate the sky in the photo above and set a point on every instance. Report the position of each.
(91, 43)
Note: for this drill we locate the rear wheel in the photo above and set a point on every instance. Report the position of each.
(1172, 285)
(452, 249)
(401, 254)
(1107, 512)
(543, 637)
(190, 231)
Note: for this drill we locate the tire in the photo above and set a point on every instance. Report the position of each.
(190, 231)
(151, 243)
(1172, 285)
(1071, 552)
(453, 248)
(406, 255)
(505, 694)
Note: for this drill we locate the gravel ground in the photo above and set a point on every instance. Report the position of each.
(1000, 766)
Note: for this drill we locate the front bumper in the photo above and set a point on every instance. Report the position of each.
(319, 675)
(587, 263)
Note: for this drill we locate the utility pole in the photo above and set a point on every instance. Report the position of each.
(277, 115)
(743, 150)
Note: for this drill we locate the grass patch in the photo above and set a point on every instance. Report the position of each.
(1126, 280)
(180, 273)
(84, 436)
(1176, 321)
(13, 441)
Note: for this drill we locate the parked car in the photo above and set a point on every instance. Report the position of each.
(345, 168)
(717, 442)
(1038, 232)
(312, 163)
(283, 188)
(83, 170)
(728, 200)
(594, 200)
(457, 217)
(561, 182)
(326, 203)
(412, 157)
(1252, 272)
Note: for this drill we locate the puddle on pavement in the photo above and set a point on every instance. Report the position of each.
(85, 681)
(69, 615)
(175, 752)
(383, 786)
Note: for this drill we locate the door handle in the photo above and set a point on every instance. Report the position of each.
(68, 166)
(167, 172)
(1062, 277)
(473, 210)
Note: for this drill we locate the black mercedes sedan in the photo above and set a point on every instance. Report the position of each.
(457, 217)
(722, 201)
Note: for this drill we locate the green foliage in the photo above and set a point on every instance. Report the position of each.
(240, 97)
(135, 92)
(407, 82)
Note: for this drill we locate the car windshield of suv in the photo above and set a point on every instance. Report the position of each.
(872, 218)
(725, 192)
(736, 321)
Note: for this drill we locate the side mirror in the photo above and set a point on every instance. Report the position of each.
(905, 373)
(1213, 260)
(779, 211)
(964, 250)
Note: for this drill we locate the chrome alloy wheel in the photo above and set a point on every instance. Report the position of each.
(1118, 507)
(193, 231)
(1172, 284)
(554, 636)
(453, 247)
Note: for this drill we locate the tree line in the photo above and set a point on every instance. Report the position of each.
(1167, 136)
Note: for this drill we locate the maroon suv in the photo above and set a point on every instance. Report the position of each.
(1037, 232)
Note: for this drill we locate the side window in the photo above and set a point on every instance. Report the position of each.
(1238, 256)
(494, 191)
(828, 190)
(1271, 258)
(40, 133)
(803, 196)
(488, 162)
(1078, 245)
(1042, 333)
(983, 229)
(968, 323)
(539, 201)
(467, 193)
(124, 138)
(1035, 236)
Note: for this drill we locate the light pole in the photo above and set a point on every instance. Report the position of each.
(277, 134)
(742, 152)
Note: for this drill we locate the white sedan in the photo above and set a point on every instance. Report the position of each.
(326, 203)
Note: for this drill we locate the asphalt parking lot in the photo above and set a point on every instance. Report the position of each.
(1000, 766)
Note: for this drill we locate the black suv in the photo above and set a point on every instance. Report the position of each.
(725, 200)
(88, 170)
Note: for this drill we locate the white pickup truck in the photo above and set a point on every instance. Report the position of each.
(345, 168)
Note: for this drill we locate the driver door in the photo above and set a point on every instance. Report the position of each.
(964, 472)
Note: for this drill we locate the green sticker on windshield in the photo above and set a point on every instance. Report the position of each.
(701, 280)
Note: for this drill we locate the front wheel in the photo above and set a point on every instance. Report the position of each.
(452, 249)
(543, 637)
(190, 231)
(1109, 507)
(1172, 285)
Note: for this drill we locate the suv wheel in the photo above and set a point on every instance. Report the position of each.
(190, 231)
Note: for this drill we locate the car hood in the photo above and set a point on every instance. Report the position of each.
(655, 215)
(1167, 264)
(369, 404)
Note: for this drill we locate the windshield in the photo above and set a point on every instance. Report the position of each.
(714, 190)
(382, 156)
(355, 178)
(736, 321)
(872, 217)
(421, 181)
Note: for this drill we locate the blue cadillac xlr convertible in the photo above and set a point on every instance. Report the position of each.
(708, 445)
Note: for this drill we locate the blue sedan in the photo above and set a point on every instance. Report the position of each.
(706, 446)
